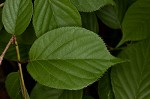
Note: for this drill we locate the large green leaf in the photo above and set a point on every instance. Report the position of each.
(90, 5)
(136, 22)
(69, 58)
(89, 21)
(51, 14)
(105, 88)
(1, 24)
(13, 86)
(17, 15)
(131, 80)
(43, 92)
(109, 16)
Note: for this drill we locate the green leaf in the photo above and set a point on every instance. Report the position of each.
(52, 14)
(108, 16)
(89, 21)
(131, 80)
(136, 22)
(105, 88)
(13, 86)
(17, 15)
(69, 58)
(43, 92)
(121, 7)
(1, 24)
(90, 5)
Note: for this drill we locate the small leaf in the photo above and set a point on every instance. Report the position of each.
(13, 86)
(89, 21)
(43, 92)
(69, 58)
(17, 15)
(108, 16)
(136, 22)
(105, 88)
(90, 5)
(52, 14)
(131, 80)
(1, 24)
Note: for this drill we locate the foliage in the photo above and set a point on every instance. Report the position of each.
(61, 45)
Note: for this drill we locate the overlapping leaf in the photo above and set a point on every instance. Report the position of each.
(109, 16)
(69, 58)
(43, 92)
(105, 88)
(17, 15)
(51, 14)
(90, 5)
(131, 80)
(89, 21)
(13, 86)
(136, 22)
(121, 7)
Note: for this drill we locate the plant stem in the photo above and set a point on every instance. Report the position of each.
(24, 92)
(5, 50)
(1, 5)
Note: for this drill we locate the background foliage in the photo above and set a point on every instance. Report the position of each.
(67, 49)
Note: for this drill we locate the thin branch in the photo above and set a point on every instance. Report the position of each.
(24, 92)
(1, 5)
(5, 50)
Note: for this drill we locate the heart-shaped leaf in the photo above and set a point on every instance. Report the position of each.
(89, 21)
(51, 14)
(17, 15)
(131, 80)
(136, 22)
(69, 58)
(90, 5)
(43, 92)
